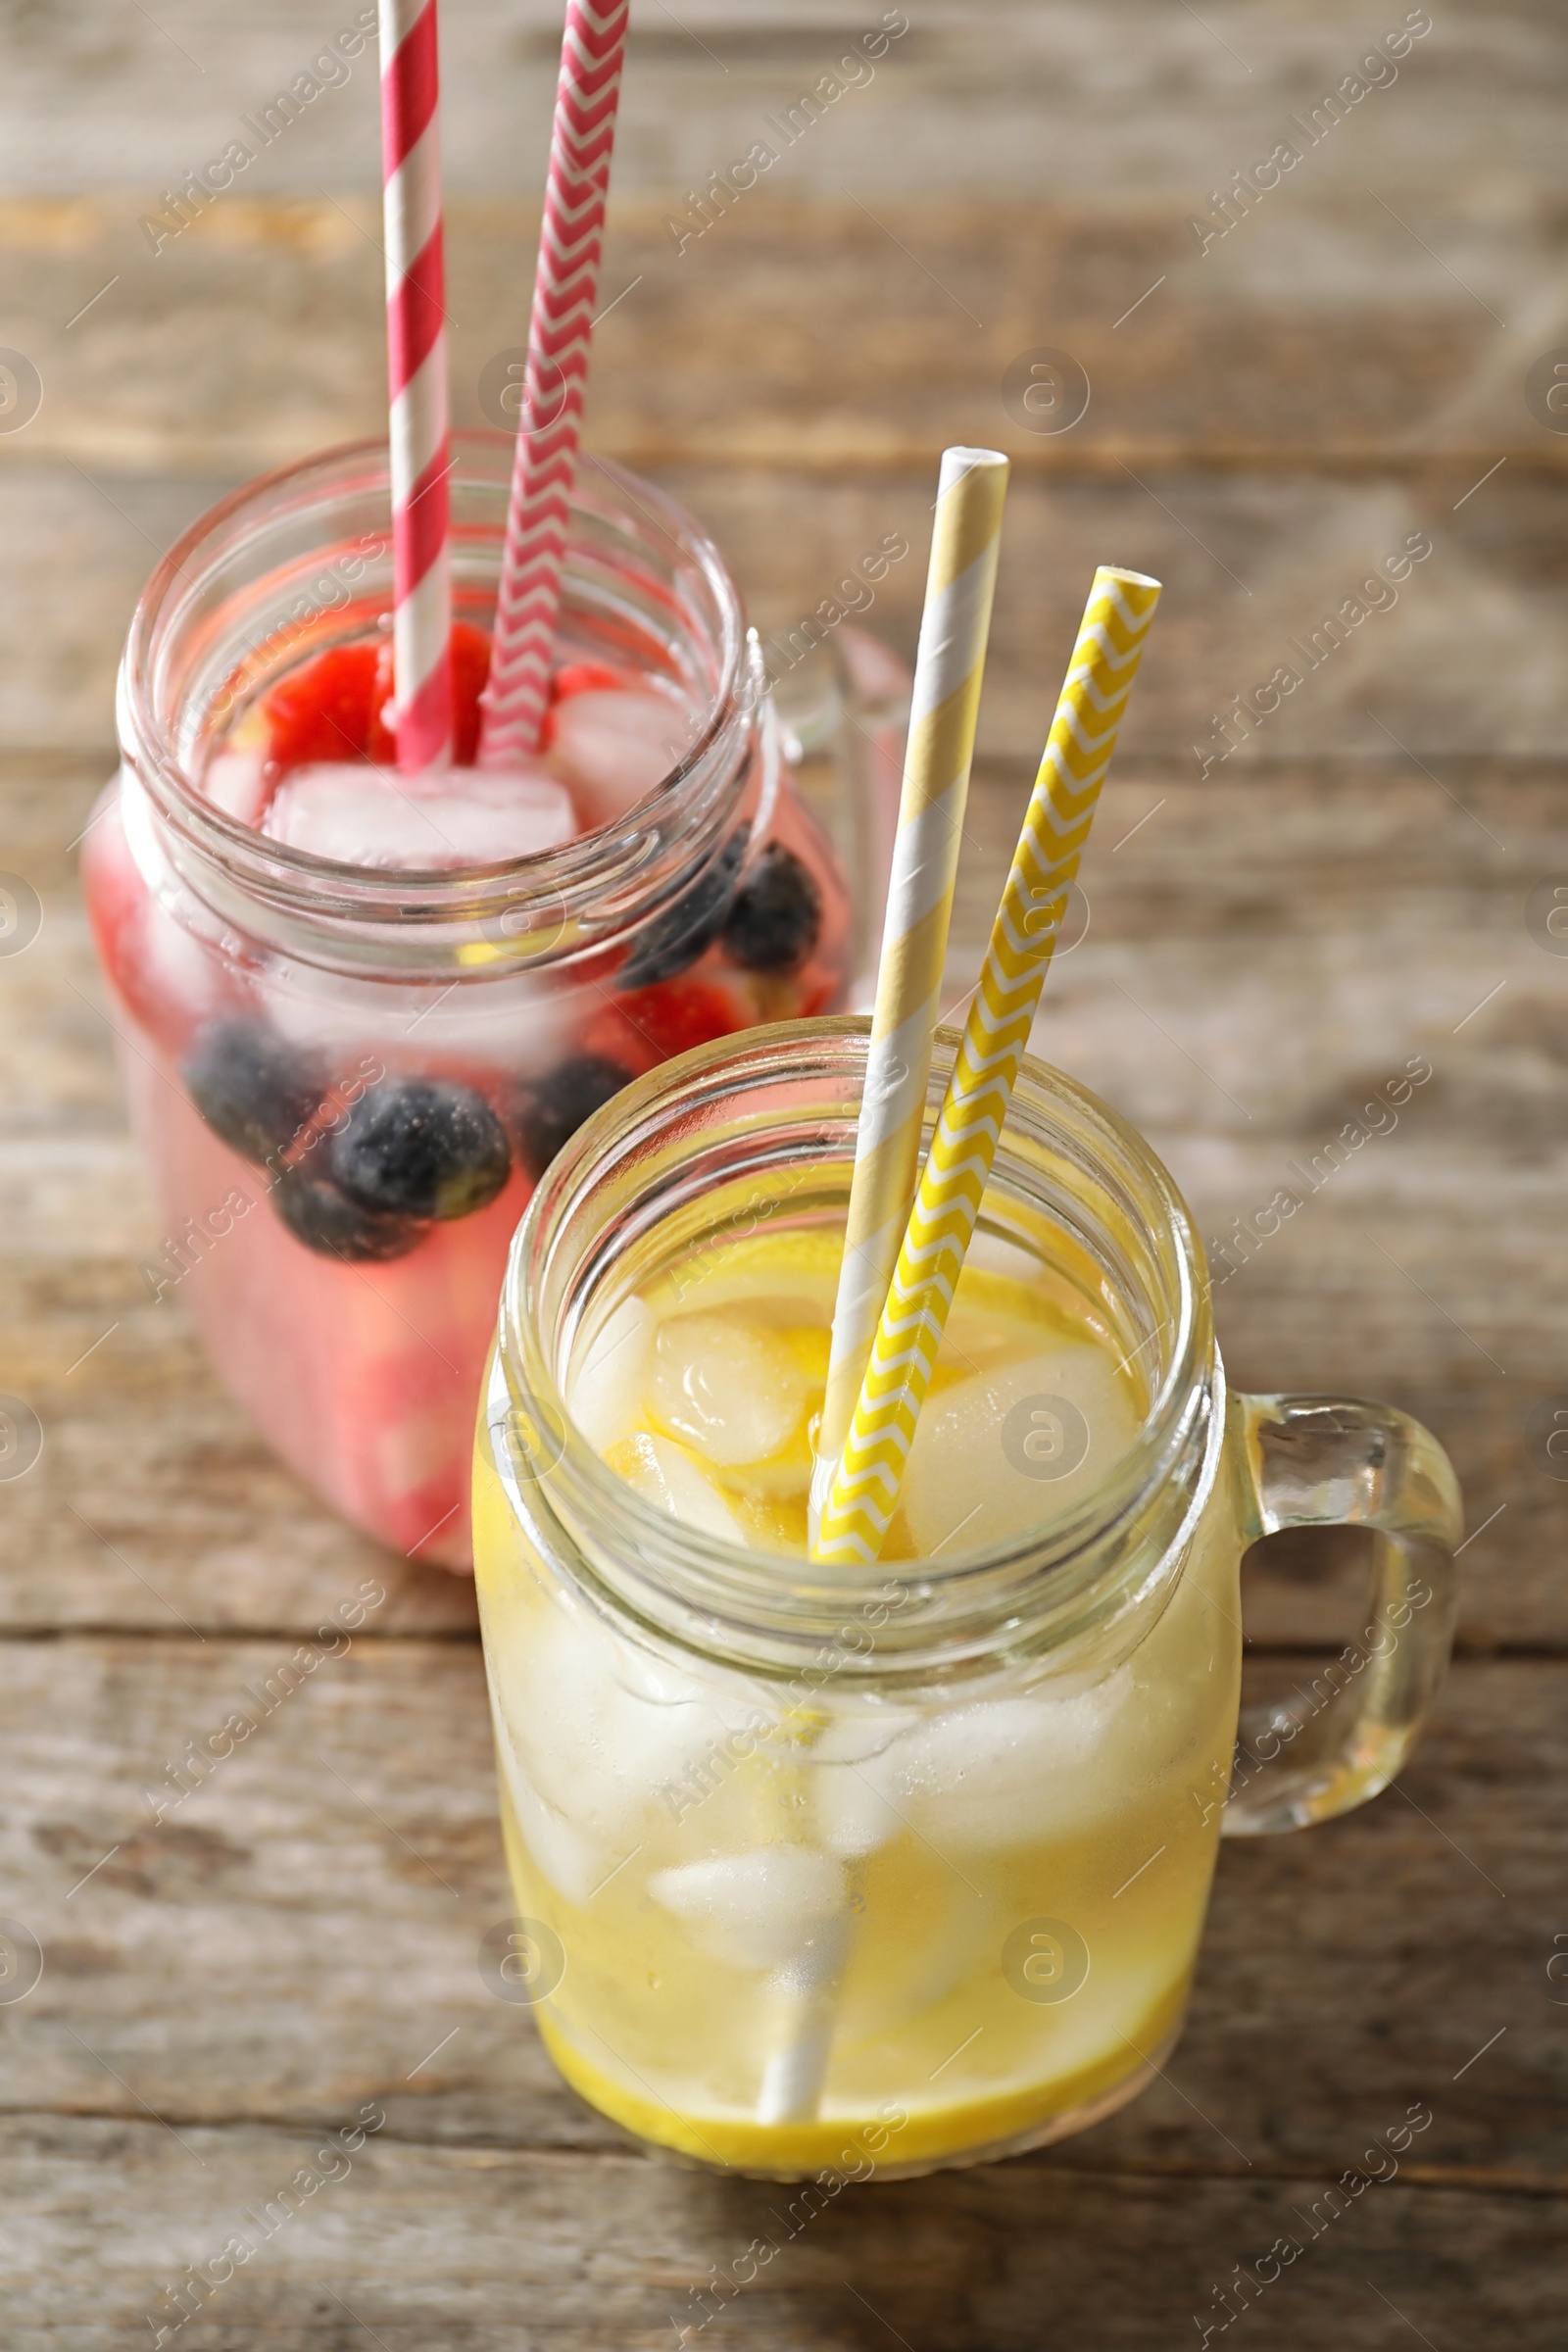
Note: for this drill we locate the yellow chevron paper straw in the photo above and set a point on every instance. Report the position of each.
(865, 1491)
(945, 703)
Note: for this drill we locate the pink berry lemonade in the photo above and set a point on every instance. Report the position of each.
(341, 1160)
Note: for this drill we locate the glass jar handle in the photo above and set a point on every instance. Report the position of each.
(844, 708)
(1334, 1461)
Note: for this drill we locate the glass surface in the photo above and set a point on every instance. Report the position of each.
(912, 1863)
(269, 999)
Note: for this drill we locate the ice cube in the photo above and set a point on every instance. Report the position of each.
(371, 816)
(853, 1816)
(236, 782)
(166, 953)
(1007, 1771)
(735, 1393)
(981, 1468)
(180, 968)
(513, 1022)
(664, 1474)
(598, 1728)
(574, 1863)
(606, 1390)
(851, 1805)
(614, 748)
(760, 1909)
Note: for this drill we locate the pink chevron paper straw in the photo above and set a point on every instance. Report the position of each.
(559, 331)
(416, 384)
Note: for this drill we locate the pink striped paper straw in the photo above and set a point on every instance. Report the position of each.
(559, 331)
(416, 382)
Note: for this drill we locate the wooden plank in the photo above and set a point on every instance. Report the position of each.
(491, 2248)
(1270, 419)
(993, 94)
(1457, 662)
(1452, 668)
(1259, 447)
(748, 347)
(1277, 945)
(300, 1934)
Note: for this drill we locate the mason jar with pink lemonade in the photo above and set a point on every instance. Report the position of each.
(356, 1012)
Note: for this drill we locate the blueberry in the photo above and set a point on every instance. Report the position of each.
(551, 1111)
(678, 937)
(251, 1088)
(773, 923)
(320, 1214)
(420, 1148)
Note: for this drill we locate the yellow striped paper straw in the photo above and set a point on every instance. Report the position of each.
(865, 1491)
(944, 703)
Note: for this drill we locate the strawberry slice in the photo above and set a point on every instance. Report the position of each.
(338, 707)
(380, 743)
(585, 677)
(646, 1025)
(325, 710)
(470, 667)
(610, 1036)
(823, 998)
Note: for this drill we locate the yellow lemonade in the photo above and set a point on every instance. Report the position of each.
(817, 1919)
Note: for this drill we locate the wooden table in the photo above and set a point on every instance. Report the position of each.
(1271, 935)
